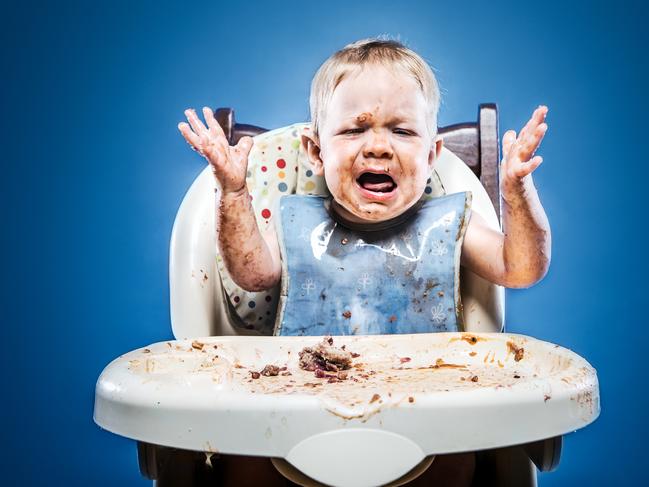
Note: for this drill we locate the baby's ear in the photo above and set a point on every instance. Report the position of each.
(312, 149)
(435, 151)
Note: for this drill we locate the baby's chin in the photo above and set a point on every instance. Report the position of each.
(369, 212)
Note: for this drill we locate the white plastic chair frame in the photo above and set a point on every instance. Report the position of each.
(199, 308)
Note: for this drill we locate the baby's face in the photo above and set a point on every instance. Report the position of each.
(375, 149)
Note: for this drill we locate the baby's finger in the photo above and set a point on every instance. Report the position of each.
(192, 139)
(241, 151)
(195, 122)
(533, 141)
(508, 139)
(528, 167)
(214, 126)
(537, 118)
(244, 146)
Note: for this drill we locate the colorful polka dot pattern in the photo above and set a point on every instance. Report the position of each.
(278, 165)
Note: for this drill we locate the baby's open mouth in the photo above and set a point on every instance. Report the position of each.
(379, 183)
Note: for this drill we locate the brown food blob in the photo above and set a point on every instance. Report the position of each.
(270, 370)
(324, 357)
(518, 352)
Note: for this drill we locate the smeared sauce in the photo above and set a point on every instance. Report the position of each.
(518, 352)
(377, 375)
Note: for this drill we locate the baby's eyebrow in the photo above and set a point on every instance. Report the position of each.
(397, 119)
(366, 118)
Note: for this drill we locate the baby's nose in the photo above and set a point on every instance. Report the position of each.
(377, 145)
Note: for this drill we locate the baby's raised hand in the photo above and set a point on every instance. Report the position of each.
(229, 163)
(518, 154)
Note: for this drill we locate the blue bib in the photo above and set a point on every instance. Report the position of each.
(376, 279)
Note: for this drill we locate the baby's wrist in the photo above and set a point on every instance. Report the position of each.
(516, 192)
(235, 194)
(234, 201)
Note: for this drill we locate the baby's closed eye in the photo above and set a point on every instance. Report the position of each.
(358, 130)
(401, 131)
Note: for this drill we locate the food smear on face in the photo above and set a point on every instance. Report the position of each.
(364, 117)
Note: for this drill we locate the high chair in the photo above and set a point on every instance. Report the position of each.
(205, 302)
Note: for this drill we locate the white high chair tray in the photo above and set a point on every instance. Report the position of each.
(406, 396)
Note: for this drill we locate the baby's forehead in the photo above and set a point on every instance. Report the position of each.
(375, 88)
(369, 111)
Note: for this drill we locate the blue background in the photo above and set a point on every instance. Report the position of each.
(94, 170)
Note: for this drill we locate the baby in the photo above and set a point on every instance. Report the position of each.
(374, 139)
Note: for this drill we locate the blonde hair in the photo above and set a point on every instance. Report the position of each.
(367, 52)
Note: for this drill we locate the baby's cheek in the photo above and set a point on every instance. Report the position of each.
(412, 188)
(339, 178)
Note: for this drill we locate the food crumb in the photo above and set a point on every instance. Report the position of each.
(197, 345)
(255, 374)
(392, 319)
(347, 314)
(270, 371)
(375, 398)
(517, 351)
(411, 399)
(474, 378)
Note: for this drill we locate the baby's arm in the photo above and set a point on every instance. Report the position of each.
(520, 255)
(251, 258)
